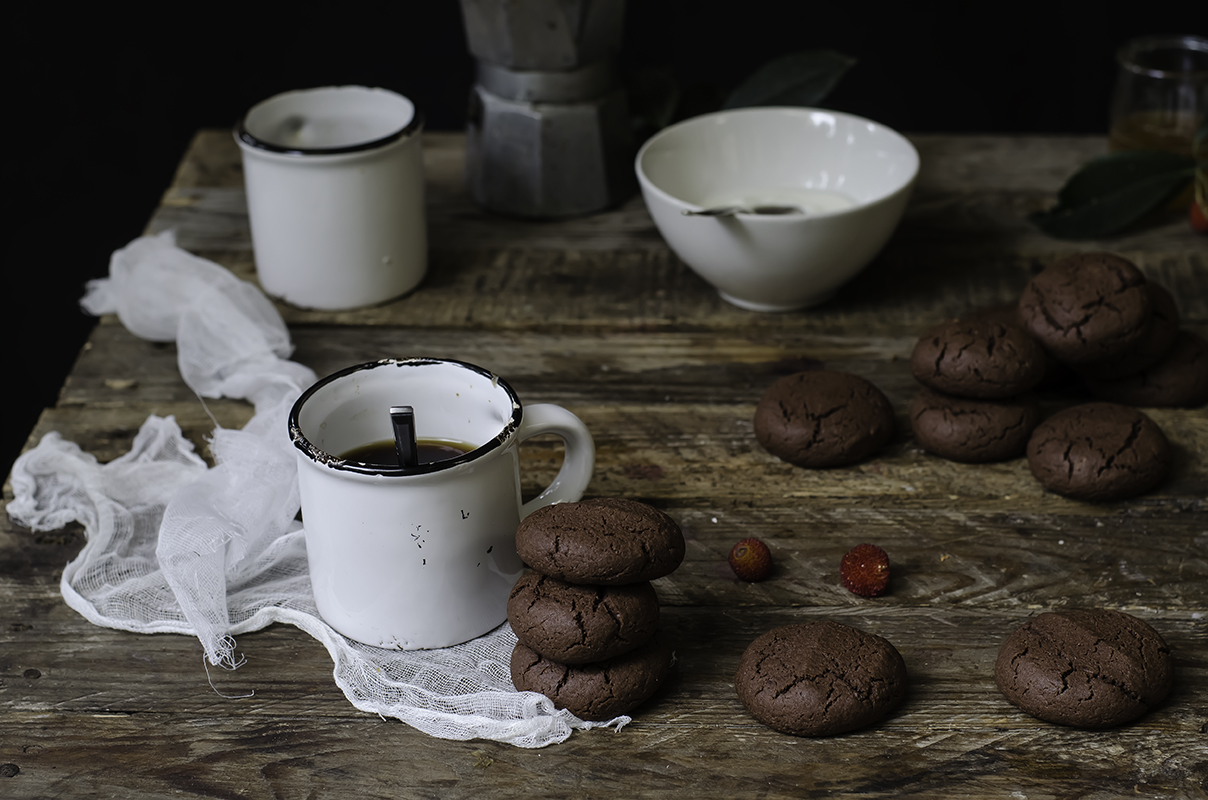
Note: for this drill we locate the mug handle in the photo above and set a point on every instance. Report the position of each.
(572, 479)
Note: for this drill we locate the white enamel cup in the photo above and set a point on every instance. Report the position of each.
(425, 556)
(335, 194)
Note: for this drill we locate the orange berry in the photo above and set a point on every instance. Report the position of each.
(751, 560)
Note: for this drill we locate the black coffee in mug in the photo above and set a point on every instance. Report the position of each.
(384, 454)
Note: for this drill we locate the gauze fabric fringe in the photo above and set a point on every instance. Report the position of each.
(174, 546)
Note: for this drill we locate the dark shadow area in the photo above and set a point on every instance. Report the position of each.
(103, 103)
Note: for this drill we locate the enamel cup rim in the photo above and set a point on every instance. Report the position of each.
(409, 120)
(321, 457)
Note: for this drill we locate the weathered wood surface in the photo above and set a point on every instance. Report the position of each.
(597, 315)
(964, 243)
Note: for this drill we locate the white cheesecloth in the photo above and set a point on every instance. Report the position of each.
(174, 546)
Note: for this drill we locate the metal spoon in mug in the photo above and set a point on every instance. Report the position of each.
(402, 420)
(729, 211)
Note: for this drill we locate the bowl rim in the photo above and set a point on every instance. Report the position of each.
(906, 182)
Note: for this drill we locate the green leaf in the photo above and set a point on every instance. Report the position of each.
(798, 79)
(1115, 171)
(1112, 192)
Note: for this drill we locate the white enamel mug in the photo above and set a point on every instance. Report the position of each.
(335, 195)
(422, 556)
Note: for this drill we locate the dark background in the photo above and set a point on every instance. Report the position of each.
(102, 104)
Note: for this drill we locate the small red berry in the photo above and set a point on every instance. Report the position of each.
(751, 560)
(865, 570)
(1199, 222)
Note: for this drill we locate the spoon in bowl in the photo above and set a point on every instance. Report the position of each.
(729, 211)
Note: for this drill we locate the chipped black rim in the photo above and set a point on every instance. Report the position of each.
(246, 137)
(322, 457)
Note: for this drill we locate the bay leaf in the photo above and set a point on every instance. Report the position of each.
(1111, 193)
(796, 79)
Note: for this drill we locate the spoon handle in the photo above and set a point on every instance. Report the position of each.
(729, 211)
(720, 211)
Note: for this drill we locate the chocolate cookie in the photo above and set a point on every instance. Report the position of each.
(1163, 330)
(978, 358)
(1179, 380)
(598, 691)
(1098, 451)
(1087, 307)
(607, 541)
(1086, 669)
(1056, 374)
(819, 678)
(577, 624)
(973, 431)
(823, 418)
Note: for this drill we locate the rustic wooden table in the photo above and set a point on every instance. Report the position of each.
(597, 314)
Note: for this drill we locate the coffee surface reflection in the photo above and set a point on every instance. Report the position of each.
(430, 450)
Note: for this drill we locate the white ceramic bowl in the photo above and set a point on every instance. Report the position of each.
(852, 176)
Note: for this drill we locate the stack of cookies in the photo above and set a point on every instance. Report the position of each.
(1098, 314)
(1092, 314)
(586, 618)
(975, 406)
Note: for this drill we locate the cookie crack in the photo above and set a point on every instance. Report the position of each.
(786, 414)
(1109, 461)
(578, 619)
(1065, 684)
(821, 415)
(1016, 659)
(606, 677)
(797, 681)
(561, 684)
(620, 633)
(1130, 693)
(832, 697)
(1069, 462)
(939, 358)
(980, 439)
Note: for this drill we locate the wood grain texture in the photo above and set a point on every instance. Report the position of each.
(964, 243)
(598, 315)
(952, 734)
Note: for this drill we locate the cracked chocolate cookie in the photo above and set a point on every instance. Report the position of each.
(578, 624)
(1098, 451)
(1161, 335)
(1087, 307)
(978, 358)
(1085, 669)
(823, 418)
(973, 431)
(1179, 380)
(1056, 374)
(609, 541)
(598, 691)
(820, 678)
